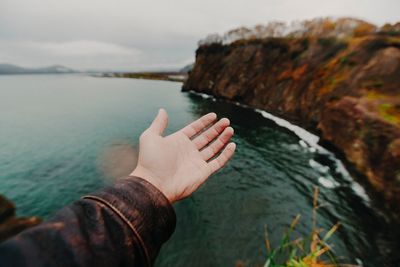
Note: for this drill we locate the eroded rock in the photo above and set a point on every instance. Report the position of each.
(347, 90)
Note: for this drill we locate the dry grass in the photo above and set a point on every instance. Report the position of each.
(306, 251)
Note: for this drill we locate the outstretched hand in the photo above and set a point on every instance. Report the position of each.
(180, 163)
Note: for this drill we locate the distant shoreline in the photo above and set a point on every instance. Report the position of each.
(163, 76)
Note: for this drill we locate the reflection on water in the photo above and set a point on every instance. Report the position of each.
(64, 136)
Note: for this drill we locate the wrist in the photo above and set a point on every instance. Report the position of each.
(143, 173)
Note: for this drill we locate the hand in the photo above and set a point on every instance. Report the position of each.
(180, 163)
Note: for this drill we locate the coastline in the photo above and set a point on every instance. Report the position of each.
(163, 76)
(312, 86)
(309, 140)
(312, 138)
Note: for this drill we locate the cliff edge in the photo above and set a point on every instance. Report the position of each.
(337, 78)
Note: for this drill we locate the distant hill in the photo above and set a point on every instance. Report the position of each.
(13, 69)
(187, 68)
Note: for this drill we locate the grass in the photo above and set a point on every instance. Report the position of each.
(306, 251)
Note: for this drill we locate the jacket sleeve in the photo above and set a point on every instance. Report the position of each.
(122, 225)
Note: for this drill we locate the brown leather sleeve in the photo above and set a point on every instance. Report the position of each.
(122, 225)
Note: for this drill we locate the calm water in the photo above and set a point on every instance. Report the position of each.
(60, 137)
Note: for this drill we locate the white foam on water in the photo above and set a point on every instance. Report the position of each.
(325, 182)
(303, 144)
(359, 262)
(318, 166)
(306, 136)
(205, 96)
(310, 141)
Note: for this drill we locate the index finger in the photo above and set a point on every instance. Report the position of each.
(198, 125)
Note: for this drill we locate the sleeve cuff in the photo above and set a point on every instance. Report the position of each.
(144, 208)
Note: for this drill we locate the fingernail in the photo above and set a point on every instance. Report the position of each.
(226, 119)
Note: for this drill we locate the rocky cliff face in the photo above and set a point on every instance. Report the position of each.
(345, 89)
(11, 225)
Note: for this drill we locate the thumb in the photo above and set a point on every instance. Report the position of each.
(160, 122)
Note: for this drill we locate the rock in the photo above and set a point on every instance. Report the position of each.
(11, 225)
(7, 208)
(347, 90)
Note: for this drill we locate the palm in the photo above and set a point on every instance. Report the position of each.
(178, 164)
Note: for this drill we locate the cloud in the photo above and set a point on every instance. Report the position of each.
(82, 48)
(138, 34)
(79, 54)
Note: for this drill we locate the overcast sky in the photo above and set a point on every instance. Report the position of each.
(136, 35)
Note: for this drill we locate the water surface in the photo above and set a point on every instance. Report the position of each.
(60, 136)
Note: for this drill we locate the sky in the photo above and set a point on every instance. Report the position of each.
(148, 35)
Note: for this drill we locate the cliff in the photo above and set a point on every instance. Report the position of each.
(11, 225)
(342, 83)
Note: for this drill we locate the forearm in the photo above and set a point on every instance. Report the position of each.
(125, 225)
(122, 225)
